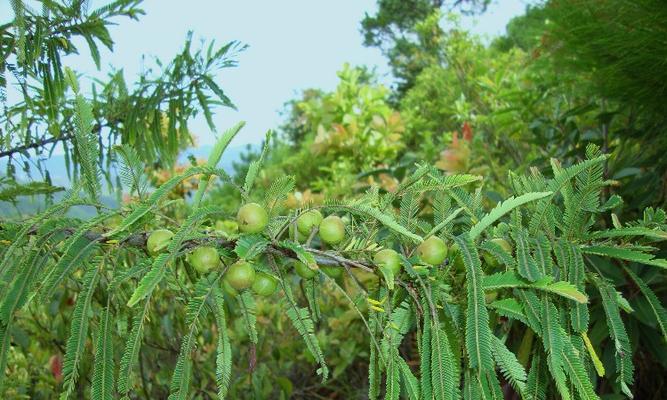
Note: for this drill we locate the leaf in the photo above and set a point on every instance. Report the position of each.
(216, 154)
(132, 349)
(657, 307)
(653, 234)
(526, 265)
(509, 308)
(625, 254)
(76, 342)
(623, 350)
(599, 367)
(302, 322)
(478, 333)
(382, 217)
(511, 279)
(393, 382)
(86, 141)
(444, 374)
(103, 373)
(410, 383)
(254, 167)
(513, 372)
(503, 208)
(223, 359)
(248, 310)
(196, 310)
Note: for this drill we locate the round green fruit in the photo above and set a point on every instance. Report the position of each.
(252, 218)
(503, 243)
(332, 230)
(389, 259)
(308, 221)
(204, 259)
(432, 251)
(455, 258)
(158, 240)
(331, 271)
(227, 226)
(240, 275)
(229, 289)
(303, 271)
(489, 259)
(265, 284)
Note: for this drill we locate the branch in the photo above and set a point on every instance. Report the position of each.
(36, 145)
(138, 240)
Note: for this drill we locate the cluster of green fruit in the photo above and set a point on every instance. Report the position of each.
(253, 219)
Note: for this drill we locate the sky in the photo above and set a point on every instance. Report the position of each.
(293, 45)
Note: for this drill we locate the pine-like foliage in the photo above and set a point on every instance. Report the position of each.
(519, 305)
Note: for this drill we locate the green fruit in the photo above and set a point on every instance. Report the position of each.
(389, 259)
(204, 259)
(240, 275)
(332, 230)
(303, 271)
(331, 271)
(308, 221)
(432, 251)
(252, 218)
(227, 226)
(503, 243)
(489, 258)
(455, 258)
(158, 240)
(265, 284)
(229, 289)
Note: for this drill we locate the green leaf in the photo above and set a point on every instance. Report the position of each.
(223, 359)
(131, 352)
(478, 333)
(410, 383)
(510, 279)
(103, 373)
(248, 310)
(509, 308)
(76, 343)
(657, 307)
(513, 372)
(526, 265)
(215, 156)
(503, 208)
(626, 254)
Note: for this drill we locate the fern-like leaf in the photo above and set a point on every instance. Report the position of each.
(223, 359)
(76, 343)
(503, 208)
(512, 370)
(478, 333)
(103, 373)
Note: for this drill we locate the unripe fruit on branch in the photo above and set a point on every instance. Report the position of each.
(388, 259)
(229, 289)
(158, 240)
(332, 230)
(252, 218)
(303, 270)
(331, 271)
(489, 258)
(265, 284)
(504, 244)
(432, 251)
(204, 259)
(455, 258)
(308, 221)
(240, 275)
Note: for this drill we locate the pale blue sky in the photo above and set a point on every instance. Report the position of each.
(294, 44)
